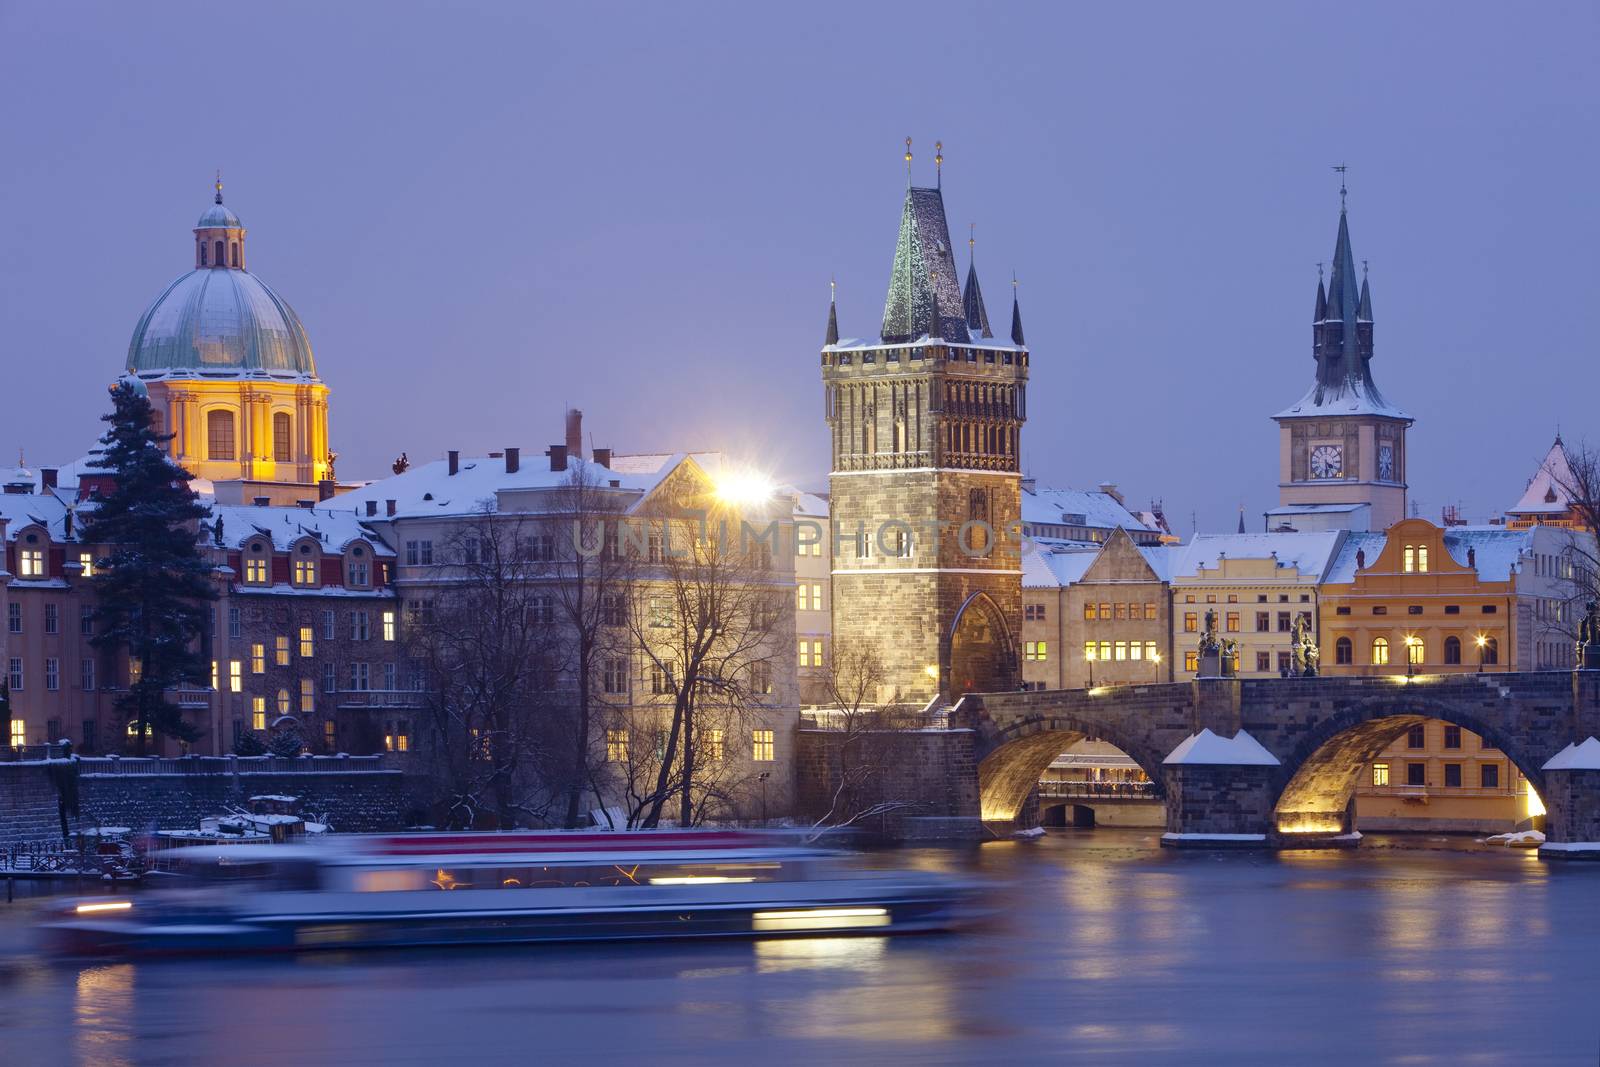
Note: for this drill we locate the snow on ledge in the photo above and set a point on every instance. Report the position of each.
(1206, 747)
(1570, 846)
(1584, 757)
(1213, 837)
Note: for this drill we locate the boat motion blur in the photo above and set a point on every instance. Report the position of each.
(432, 889)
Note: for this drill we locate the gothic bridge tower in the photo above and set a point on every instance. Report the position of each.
(926, 422)
(1342, 447)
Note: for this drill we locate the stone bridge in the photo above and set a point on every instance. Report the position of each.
(1318, 735)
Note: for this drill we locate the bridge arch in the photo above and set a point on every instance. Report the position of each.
(1015, 757)
(1321, 773)
(979, 648)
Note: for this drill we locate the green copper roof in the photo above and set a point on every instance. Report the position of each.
(218, 321)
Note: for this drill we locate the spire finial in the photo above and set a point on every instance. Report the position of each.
(1319, 270)
(219, 186)
(1341, 168)
(972, 238)
(1363, 269)
(938, 164)
(908, 162)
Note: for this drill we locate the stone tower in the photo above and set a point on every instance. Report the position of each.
(1342, 447)
(926, 421)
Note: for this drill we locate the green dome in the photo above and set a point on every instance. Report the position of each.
(220, 322)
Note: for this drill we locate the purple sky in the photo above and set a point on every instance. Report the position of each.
(483, 212)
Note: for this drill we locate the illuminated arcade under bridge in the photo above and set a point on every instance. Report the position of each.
(1276, 762)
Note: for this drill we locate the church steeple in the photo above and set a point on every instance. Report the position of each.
(1342, 334)
(1016, 315)
(923, 264)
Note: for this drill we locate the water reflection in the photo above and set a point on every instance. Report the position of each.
(103, 1013)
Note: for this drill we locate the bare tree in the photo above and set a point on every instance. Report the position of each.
(487, 640)
(707, 616)
(1580, 560)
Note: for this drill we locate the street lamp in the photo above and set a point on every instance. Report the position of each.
(1482, 642)
(1155, 657)
(1088, 654)
(1412, 642)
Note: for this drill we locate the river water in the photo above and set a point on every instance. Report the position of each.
(1106, 949)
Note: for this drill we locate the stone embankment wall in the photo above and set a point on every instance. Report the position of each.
(926, 779)
(354, 801)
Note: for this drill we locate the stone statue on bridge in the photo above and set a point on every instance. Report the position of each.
(1304, 649)
(1589, 639)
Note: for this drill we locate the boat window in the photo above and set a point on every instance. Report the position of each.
(577, 876)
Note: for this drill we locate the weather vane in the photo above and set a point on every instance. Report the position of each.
(972, 236)
(1341, 168)
(938, 163)
(219, 185)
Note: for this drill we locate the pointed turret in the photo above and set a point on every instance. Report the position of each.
(832, 336)
(1322, 299)
(1016, 316)
(1364, 308)
(972, 296)
(923, 264)
(1241, 518)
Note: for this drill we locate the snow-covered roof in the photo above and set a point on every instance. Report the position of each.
(1309, 552)
(1317, 509)
(1097, 509)
(431, 490)
(334, 527)
(810, 505)
(1343, 567)
(1546, 493)
(656, 462)
(1206, 747)
(25, 509)
(1584, 757)
(1347, 399)
(1047, 565)
(1495, 549)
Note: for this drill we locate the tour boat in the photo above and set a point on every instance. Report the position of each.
(400, 890)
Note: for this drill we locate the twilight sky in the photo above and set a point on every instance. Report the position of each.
(483, 212)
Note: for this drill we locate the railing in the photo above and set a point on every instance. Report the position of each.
(135, 765)
(1423, 792)
(379, 698)
(27, 753)
(1071, 790)
(842, 720)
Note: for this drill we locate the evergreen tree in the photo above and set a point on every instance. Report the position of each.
(152, 588)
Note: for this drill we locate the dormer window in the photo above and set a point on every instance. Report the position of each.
(30, 562)
(305, 567)
(358, 571)
(255, 564)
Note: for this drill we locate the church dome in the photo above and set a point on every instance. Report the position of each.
(223, 322)
(217, 216)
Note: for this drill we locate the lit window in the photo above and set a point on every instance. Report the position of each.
(19, 733)
(1422, 558)
(280, 650)
(1233, 623)
(258, 713)
(714, 746)
(761, 742)
(1150, 651)
(1120, 650)
(213, 674)
(1135, 650)
(617, 746)
(86, 561)
(1088, 650)
(308, 644)
(1410, 556)
(1414, 651)
(219, 433)
(283, 702)
(1380, 651)
(1191, 622)
(1191, 660)
(308, 695)
(31, 563)
(388, 626)
(135, 670)
(258, 659)
(1380, 774)
(305, 572)
(1035, 651)
(329, 736)
(1105, 650)
(255, 570)
(235, 676)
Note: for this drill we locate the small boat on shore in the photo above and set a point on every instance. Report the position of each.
(430, 889)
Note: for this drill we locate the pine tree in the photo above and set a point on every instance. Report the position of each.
(152, 588)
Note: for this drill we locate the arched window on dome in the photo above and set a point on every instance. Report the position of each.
(202, 253)
(221, 262)
(281, 427)
(219, 434)
(233, 253)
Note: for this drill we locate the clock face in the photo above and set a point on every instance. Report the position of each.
(1386, 463)
(1327, 461)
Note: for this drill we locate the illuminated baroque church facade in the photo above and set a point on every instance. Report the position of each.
(230, 374)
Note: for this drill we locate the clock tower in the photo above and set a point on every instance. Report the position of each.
(1342, 447)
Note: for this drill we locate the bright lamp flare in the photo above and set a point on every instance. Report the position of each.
(744, 488)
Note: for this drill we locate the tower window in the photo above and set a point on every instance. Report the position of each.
(220, 261)
(281, 427)
(233, 253)
(203, 254)
(219, 434)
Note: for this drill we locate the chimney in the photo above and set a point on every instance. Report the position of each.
(388, 507)
(602, 456)
(1110, 490)
(455, 461)
(326, 488)
(574, 433)
(558, 457)
(513, 460)
(372, 507)
(47, 477)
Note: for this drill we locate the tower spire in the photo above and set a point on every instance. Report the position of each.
(938, 164)
(908, 162)
(1016, 314)
(832, 337)
(1322, 299)
(219, 185)
(972, 297)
